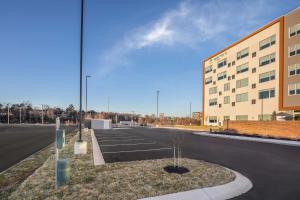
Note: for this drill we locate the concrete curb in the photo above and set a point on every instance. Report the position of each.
(97, 154)
(254, 139)
(239, 186)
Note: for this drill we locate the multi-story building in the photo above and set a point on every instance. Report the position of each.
(256, 76)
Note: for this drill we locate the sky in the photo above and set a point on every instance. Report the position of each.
(132, 49)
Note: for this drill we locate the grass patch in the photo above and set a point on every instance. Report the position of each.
(124, 180)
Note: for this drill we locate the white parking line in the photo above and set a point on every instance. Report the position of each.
(160, 149)
(133, 144)
(119, 140)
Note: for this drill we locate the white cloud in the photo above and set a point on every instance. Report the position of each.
(190, 24)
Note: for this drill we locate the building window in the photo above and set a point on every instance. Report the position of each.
(294, 89)
(233, 103)
(265, 94)
(253, 54)
(227, 100)
(214, 71)
(253, 85)
(222, 75)
(226, 87)
(233, 77)
(267, 59)
(208, 69)
(220, 105)
(294, 30)
(268, 76)
(241, 83)
(208, 80)
(265, 117)
(212, 119)
(294, 50)
(213, 90)
(214, 82)
(294, 69)
(229, 78)
(229, 65)
(222, 63)
(242, 68)
(253, 70)
(242, 97)
(233, 90)
(267, 42)
(241, 117)
(253, 101)
(220, 93)
(213, 102)
(233, 63)
(242, 54)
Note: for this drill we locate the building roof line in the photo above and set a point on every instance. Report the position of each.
(245, 37)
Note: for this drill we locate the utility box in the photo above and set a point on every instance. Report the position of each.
(62, 172)
(101, 124)
(60, 138)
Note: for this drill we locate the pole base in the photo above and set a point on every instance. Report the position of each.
(80, 147)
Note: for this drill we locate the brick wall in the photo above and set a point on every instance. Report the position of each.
(278, 129)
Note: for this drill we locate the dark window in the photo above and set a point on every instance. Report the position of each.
(214, 71)
(233, 90)
(233, 77)
(233, 63)
(253, 101)
(253, 70)
(229, 78)
(214, 82)
(233, 103)
(254, 85)
(253, 54)
(220, 93)
(229, 64)
(220, 105)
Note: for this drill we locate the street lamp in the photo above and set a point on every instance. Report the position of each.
(157, 95)
(81, 51)
(86, 91)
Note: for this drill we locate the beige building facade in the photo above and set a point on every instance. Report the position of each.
(255, 77)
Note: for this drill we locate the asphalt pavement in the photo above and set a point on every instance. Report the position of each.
(20, 141)
(273, 169)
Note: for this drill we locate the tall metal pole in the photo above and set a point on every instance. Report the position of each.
(157, 95)
(42, 114)
(7, 113)
(191, 110)
(20, 115)
(81, 47)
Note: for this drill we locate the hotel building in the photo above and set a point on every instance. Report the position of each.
(256, 76)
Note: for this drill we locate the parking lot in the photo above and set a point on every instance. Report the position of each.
(119, 145)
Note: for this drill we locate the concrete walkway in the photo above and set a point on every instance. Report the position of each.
(255, 139)
(239, 186)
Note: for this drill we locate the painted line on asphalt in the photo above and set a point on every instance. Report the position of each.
(133, 144)
(134, 151)
(119, 140)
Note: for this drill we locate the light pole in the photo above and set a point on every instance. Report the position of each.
(190, 113)
(8, 113)
(157, 95)
(81, 48)
(86, 91)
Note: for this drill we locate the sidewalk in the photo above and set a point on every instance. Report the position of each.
(247, 138)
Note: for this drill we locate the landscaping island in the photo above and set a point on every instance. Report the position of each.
(122, 180)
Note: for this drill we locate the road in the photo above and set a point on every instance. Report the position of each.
(273, 169)
(20, 141)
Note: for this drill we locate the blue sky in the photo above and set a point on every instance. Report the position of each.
(132, 48)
